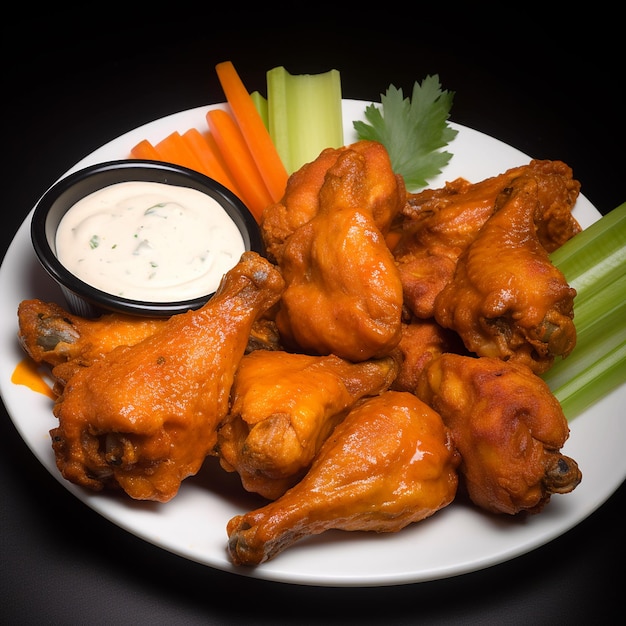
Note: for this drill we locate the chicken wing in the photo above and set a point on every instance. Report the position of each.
(439, 224)
(343, 294)
(390, 463)
(382, 194)
(50, 334)
(514, 304)
(508, 428)
(145, 417)
(284, 406)
(299, 204)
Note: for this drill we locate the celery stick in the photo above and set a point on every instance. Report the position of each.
(589, 386)
(260, 103)
(596, 338)
(594, 263)
(591, 311)
(596, 256)
(304, 114)
(277, 114)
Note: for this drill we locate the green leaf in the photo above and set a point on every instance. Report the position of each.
(414, 130)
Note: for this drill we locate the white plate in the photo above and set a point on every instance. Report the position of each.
(456, 540)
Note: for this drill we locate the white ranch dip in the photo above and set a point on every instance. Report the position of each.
(149, 241)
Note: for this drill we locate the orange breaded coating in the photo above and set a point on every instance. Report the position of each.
(390, 463)
(508, 427)
(506, 298)
(343, 294)
(422, 341)
(145, 417)
(382, 194)
(284, 406)
(50, 334)
(439, 224)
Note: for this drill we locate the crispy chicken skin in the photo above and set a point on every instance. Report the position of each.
(145, 417)
(390, 463)
(422, 341)
(283, 408)
(299, 204)
(439, 224)
(508, 428)
(506, 298)
(343, 294)
(382, 194)
(51, 334)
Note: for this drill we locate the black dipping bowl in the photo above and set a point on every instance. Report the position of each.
(82, 298)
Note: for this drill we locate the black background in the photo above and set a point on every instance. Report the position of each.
(533, 80)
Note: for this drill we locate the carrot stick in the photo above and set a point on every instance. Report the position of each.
(220, 157)
(174, 150)
(213, 165)
(145, 150)
(240, 162)
(253, 129)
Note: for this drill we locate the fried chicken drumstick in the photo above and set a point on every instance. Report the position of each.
(422, 341)
(144, 417)
(390, 463)
(508, 427)
(284, 406)
(513, 304)
(439, 224)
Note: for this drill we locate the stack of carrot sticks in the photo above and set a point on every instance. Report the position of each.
(236, 150)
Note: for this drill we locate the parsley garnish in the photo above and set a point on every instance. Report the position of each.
(413, 130)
